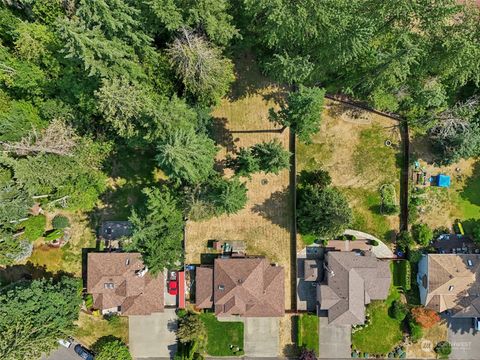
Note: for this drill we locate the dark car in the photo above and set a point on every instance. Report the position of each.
(83, 352)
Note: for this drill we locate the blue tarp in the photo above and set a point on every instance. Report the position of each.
(443, 180)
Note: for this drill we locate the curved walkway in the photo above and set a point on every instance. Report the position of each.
(381, 251)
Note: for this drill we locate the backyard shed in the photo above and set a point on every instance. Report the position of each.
(443, 180)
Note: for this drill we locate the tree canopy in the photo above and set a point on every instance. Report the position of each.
(35, 314)
(158, 230)
(302, 112)
(186, 156)
(111, 347)
(322, 210)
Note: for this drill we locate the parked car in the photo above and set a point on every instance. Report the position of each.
(65, 342)
(172, 283)
(476, 323)
(83, 352)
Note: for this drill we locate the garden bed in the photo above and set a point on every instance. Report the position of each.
(442, 206)
(402, 274)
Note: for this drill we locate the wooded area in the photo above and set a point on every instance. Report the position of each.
(84, 80)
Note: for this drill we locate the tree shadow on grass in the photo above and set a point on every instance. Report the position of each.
(471, 190)
(274, 208)
(28, 271)
(222, 135)
(249, 79)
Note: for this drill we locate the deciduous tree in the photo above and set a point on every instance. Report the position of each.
(205, 73)
(424, 317)
(35, 314)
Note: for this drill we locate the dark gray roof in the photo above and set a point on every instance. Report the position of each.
(352, 281)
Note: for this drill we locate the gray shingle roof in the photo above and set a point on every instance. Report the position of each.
(352, 281)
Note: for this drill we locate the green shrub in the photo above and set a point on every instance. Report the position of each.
(416, 332)
(89, 301)
(60, 222)
(374, 242)
(34, 227)
(422, 234)
(398, 310)
(54, 235)
(404, 240)
(443, 349)
(414, 256)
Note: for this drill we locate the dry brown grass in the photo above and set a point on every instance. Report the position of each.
(351, 147)
(443, 206)
(423, 349)
(91, 328)
(266, 221)
(69, 257)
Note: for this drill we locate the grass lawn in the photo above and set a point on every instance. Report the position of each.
(402, 274)
(221, 335)
(351, 147)
(91, 328)
(383, 333)
(308, 332)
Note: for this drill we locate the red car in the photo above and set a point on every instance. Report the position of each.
(172, 283)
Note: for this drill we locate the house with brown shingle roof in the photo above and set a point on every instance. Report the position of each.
(450, 282)
(249, 287)
(120, 283)
(352, 280)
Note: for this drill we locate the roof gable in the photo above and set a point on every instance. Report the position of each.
(352, 281)
(114, 281)
(243, 286)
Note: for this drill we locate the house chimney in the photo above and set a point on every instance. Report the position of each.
(141, 273)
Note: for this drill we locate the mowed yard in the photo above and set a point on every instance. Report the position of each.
(265, 223)
(351, 146)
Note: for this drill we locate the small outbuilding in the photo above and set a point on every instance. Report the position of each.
(442, 181)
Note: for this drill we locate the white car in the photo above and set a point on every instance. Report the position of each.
(65, 343)
(476, 323)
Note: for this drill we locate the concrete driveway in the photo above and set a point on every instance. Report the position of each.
(153, 336)
(334, 341)
(465, 341)
(261, 337)
(62, 353)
